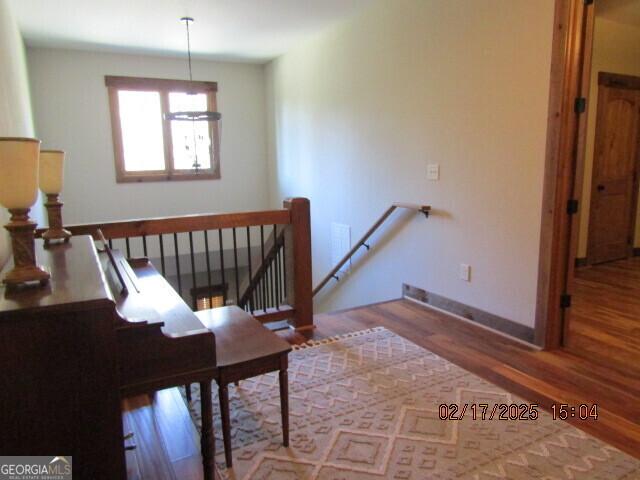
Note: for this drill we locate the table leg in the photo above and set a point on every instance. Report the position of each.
(207, 441)
(223, 394)
(284, 405)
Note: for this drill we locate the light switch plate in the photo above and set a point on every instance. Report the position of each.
(340, 245)
(433, 171)
(465, 272)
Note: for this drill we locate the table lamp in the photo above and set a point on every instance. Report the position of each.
(18, 192)
(51, 168)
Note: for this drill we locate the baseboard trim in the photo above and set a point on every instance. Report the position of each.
(473, 314)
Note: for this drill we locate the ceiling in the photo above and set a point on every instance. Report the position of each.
(242, 30)
(621, 11)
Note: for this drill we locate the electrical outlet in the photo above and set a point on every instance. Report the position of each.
(465, 272)
(433, 171)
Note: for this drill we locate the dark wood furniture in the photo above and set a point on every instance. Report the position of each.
(71, 350)
(161, 343)
(59, 389)
(245, 349)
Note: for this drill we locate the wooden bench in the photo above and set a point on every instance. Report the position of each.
(245, 349)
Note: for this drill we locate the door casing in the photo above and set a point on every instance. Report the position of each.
(563, 174)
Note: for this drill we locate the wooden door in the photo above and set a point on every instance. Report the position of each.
(614, 190)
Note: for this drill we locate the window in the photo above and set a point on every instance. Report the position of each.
(147, 146)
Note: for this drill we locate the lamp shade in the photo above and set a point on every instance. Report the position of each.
(51, 168)
(19, 171)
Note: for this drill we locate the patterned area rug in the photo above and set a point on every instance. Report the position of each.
(366, 406)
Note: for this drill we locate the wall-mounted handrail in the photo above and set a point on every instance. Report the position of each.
(362, 242)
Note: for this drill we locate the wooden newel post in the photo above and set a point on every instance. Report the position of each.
(298, 262)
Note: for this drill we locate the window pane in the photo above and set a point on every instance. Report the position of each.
(191, 140)
(141, 123)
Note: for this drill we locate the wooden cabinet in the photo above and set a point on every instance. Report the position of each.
(59, 392)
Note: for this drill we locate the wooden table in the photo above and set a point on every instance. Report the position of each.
(245, 349)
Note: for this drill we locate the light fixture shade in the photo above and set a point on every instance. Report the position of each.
(51, 169)
(19, 171)
(206, 116)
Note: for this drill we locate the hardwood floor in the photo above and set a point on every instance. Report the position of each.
(163, 428)
(604, 322)
(167, 442)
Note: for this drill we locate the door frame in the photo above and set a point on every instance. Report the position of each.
(628, 82)
(564, 164)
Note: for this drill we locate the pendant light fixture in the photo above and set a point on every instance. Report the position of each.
(193, 116)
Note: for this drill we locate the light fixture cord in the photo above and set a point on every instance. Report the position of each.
(189, 49)
(196, 164)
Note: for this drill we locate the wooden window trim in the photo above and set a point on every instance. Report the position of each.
(163, 86)
(145, 84)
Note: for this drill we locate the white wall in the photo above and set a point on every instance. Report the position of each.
(616, 49)
(356, 114)
(71, 112)
(15, 105)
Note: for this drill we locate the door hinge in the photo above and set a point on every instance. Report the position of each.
(572, 206)
(565, 300)
(580, 105)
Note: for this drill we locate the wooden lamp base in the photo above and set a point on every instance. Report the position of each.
(25, 270)
(54, 211)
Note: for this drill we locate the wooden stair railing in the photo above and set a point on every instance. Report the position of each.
(362, 242)
(266, 288)
(205, 265)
